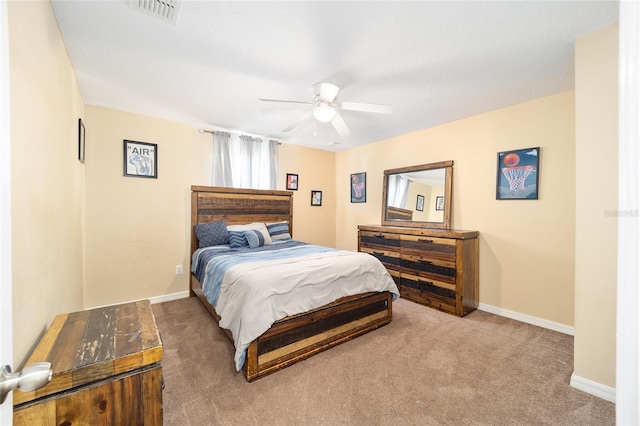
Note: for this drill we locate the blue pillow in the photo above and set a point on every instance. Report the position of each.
(279, 231)
(212, 234)
(254, 238)
(237, 239)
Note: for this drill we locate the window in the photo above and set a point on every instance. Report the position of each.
(242, 161)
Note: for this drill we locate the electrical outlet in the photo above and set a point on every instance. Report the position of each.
(179, 270)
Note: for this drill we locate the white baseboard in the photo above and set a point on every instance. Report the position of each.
(154, 299)
(594, 388)
(169, 297)
(589, 386)
(550, 325)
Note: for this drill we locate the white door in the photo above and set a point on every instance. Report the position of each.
(6, 346)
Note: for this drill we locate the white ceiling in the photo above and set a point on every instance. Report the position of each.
(433, 62)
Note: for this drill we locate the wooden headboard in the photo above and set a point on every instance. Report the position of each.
(398, 213)
(238, 207)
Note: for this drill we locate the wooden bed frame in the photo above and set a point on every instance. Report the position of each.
(297, 337)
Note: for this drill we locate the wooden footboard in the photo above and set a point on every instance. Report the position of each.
(298, 337)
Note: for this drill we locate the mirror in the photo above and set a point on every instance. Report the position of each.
(418, 196)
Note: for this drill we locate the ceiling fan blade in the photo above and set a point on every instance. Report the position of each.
(326, 91)
(298, 122)
(289, 102)
(357, 106)
(341, 126)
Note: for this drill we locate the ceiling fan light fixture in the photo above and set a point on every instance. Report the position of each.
(324, 113)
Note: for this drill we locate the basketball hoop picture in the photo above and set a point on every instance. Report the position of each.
(517, 175)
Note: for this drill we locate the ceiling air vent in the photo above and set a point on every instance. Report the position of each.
(167, 10)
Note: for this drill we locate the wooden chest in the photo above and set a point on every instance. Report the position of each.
(433, 267)
(106, 370)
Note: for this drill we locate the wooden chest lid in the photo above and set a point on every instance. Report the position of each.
(457, 234)
(90, 345)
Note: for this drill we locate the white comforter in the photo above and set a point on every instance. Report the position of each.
(253, 295)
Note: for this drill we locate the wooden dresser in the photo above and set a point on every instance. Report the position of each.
(433, 267)
(106, 370)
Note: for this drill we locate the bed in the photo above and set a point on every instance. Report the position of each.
(297, 336)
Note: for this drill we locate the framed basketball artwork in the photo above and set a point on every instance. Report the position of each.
(518, 174)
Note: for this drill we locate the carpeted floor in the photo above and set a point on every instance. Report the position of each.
(425, 368)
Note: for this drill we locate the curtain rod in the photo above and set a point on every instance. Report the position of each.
(213, 131)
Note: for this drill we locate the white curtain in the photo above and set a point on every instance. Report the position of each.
(398, 190)
(273, 164)
(221, 167)
(247, 162)
(242, 161)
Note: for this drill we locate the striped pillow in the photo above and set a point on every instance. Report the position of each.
(255, 238)
(279, 231)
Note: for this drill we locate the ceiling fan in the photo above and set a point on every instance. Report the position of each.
(326, 108)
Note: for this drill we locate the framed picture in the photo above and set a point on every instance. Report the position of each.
(316, 198)
(420, 203)
(358, 183)
(81, 140)
(439, 202)
(517, 174)
(292, 181)
(140, 159)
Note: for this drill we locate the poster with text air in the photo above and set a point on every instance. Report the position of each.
(140, 159)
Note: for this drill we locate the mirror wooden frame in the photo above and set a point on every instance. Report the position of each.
(448, 193)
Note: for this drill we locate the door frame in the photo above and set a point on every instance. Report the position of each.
(6, 329)
(628, 296)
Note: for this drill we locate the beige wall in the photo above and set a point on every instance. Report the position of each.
(526, 246)
(47, 179)
(138, 228)
(596, 198)
(316, 172)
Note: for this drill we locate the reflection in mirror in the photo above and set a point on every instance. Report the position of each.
(418, 196)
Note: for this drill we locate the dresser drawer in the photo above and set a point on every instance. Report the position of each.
(424, 266)
(390, 259)
(382, 240)
(427, 285)
(419, 292)
(395, 275)
(439, 248)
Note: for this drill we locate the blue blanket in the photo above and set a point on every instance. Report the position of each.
(211, 264)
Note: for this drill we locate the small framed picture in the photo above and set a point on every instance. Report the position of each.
(358, 187)
(440, 202)
(140, 159)
(81, 140)
(292, 181)
(517, 174)
(316, 198)
(420, 203)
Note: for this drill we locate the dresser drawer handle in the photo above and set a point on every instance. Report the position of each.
(378, 253)
(428, 262)
(425, 240)
(379, 235)
(425, 282)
